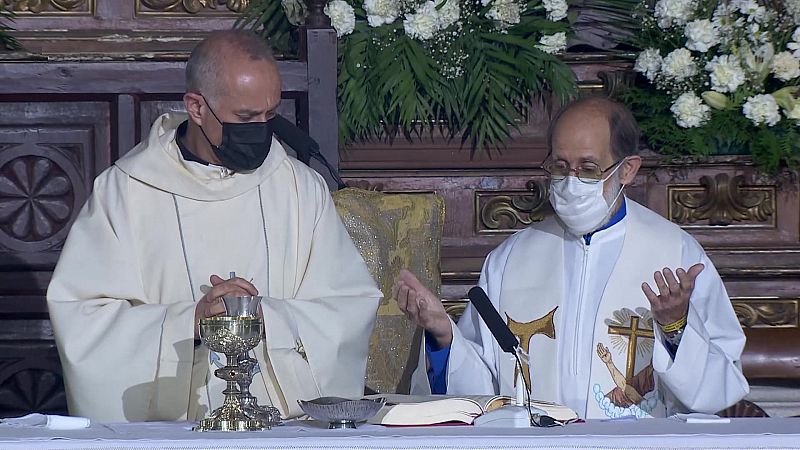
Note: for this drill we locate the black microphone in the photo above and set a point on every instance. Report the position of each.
(303, 144)
(294, 137)
(508, 342)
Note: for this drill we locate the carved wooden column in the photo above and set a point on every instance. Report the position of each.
(318, 48)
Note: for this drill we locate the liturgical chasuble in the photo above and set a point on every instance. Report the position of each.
(140, 254)
(591, 338)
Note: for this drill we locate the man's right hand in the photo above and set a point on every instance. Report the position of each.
(211, 304)
(422, 307)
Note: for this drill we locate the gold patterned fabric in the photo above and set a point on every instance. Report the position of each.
(392, 232)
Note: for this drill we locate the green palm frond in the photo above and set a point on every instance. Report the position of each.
(7, 41)
(268, 19)
(390, 84)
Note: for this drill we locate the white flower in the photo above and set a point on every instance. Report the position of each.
(380, 12)
(556, 9)
(674, 12)
(701, 35)
(505, 12)
(726, 73)
(449, 13)
(343, 18)
(785, 66)
(554, 43)
(295, 11)
(679, 65)
(795, 45)
(750, 8)
(793, 8)
(690, 111)
(762, 108)
(424, 23)
(648, 63)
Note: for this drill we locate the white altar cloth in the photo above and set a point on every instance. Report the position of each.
(649, 433)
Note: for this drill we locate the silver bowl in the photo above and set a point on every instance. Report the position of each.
(341, 412)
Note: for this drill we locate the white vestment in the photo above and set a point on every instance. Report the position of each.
(140, 255)
(564, 298)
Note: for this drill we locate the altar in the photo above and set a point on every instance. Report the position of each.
(744, 433)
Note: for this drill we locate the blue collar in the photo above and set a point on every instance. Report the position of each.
(616, 218)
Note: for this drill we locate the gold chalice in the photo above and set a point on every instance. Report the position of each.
(234, 336)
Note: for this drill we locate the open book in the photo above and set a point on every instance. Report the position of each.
(410, 410)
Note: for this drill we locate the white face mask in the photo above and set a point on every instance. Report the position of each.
(582, 207)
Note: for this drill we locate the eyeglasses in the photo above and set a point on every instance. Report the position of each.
(587, 172)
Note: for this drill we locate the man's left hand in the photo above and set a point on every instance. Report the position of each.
(672, 301)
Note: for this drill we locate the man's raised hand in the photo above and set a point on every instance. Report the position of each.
(422, 307)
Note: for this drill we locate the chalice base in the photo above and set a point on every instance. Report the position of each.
(212, 424)
(231, 417)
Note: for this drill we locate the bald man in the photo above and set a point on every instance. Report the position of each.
(619, 310)
(207, 194)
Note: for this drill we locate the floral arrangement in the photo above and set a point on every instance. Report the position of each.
(467, 68)
(722, 77)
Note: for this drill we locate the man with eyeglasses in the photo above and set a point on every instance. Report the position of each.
(620, 311)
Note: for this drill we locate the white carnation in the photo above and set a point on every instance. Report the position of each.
(674, 12)
(449, 13)
(793, 8)
(726, 73)
(556, 9)
(679, 65)
(505, 12)
(295, 11)
(762, 108)
(751, 9)
(690, 111)
(343, 18)
(649, 63)
(553, 43)
(785, 66)
(701, 35)
(795, 44)
(380, 12)
(424, 23)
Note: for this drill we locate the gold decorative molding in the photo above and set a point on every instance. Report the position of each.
(455, 308)
(51, 7)
(767, 312)
(503, 212)
(189, 7)
(722, 201)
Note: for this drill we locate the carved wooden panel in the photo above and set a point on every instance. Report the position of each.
(767, 312)
(722, 200)
(49, 156)
(30, 379)
(172, 8)
(52, 7)
(504, 212)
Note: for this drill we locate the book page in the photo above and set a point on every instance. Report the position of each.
(485, 402)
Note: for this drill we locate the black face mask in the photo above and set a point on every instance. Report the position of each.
(244, 146)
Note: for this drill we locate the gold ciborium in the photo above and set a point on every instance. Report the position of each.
(235, 336)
